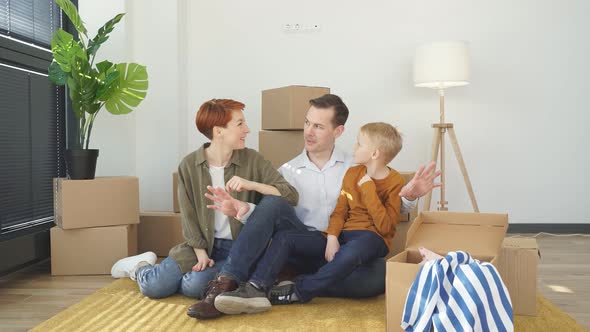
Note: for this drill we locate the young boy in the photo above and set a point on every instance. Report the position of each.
(369, 203)
(361, 228)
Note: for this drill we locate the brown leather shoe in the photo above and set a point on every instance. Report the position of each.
(205, 309)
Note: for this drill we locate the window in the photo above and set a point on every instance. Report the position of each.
(32, 21)
(32, 116)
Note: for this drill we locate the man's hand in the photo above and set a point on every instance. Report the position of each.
(364, 179)
(422, 183)
(237, 183)
(228, 205)
(203, 260)
(332, 247)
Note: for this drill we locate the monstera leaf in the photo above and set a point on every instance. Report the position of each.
(108, 78)
(65, 49)
(72, 12)
(83, 85)
(56, 75)
(129, 90)
(104, 66)
(103, 35)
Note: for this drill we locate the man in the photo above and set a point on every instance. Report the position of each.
(317, 175)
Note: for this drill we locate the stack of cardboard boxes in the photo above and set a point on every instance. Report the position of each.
(96, 224)
(160, 231)
(283, 116)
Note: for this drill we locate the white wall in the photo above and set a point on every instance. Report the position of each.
(112, 135)
(519, 123)
(147, 142)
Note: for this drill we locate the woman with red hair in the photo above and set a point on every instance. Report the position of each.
(220, 168)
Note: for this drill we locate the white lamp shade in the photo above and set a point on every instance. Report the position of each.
(442, 65)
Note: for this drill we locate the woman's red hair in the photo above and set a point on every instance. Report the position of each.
(216, 113)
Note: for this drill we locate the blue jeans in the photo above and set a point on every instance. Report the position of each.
(357, 270)
(166, 279)
(272, 214)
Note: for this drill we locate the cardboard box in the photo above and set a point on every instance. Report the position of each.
(399, 241)
(103, 201)
(517, 265)
(90, 251)
(175, 206)
(479, 234)
(280, 146)
(285, 108)
(159, 232)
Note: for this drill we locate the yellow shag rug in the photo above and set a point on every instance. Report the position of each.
(121, 307)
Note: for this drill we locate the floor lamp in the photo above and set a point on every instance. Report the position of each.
(442, 65)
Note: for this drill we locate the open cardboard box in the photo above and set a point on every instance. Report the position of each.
(479, 234)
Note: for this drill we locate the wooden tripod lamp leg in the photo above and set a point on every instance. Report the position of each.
(442, 203)
(435, 146)
(463, 168)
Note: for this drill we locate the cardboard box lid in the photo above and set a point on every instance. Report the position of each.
(521, 243)
(479, 234)
(97, 179)
(296, 86)
(159, 214)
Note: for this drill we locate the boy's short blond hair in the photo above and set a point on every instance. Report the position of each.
(385, 138)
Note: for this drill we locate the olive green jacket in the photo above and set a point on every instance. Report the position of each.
(198, 221)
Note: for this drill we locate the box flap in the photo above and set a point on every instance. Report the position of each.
(296, 86)
(158, 214)
(524, 243)
(479, 234)
(521, 243)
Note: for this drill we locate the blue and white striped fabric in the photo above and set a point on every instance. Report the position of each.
(458, 293)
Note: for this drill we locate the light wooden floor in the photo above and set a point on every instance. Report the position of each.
(30, 297)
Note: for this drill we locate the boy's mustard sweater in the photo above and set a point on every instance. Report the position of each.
(373, 206)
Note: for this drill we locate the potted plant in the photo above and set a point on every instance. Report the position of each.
(118, 88)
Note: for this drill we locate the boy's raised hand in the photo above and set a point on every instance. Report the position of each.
(332, 247)
(422, 183)
(228, 205)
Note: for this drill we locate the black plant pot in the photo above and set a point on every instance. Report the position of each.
(81, 163)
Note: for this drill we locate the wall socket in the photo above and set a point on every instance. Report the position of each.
(299, 27)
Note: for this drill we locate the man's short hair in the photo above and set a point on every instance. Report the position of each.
(328, 101)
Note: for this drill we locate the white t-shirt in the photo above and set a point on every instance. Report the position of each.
(222, 230)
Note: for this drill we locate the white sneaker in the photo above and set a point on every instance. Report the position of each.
(125, 267)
